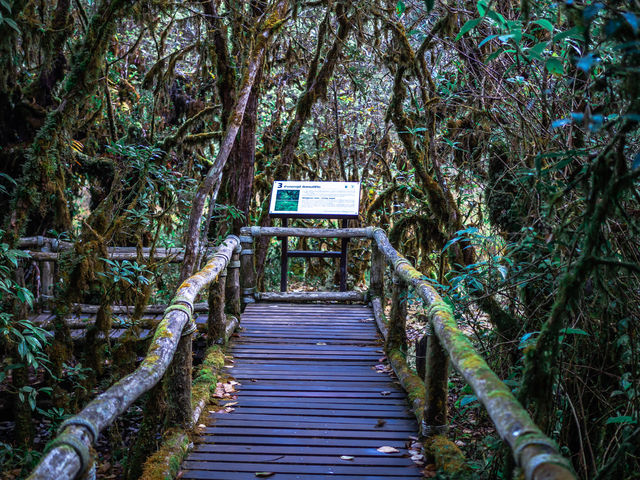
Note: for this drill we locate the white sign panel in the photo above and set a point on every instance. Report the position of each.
(328, 199)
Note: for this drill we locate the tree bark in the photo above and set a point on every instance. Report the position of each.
(211, 183)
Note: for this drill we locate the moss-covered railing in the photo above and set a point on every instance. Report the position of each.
(46, 251)
(533, 451)
(69, 455)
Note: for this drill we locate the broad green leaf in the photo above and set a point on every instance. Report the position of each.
(537, 50)
(575, 33)
(500, 20)
(555, 66)
(6, 5)
(620, 419)
(400, 7)
(469, 25)
(482, 7)
(546, 24)
(12, 24)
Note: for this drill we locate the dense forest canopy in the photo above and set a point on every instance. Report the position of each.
(495, 140)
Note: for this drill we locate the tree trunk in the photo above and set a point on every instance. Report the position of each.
(211, 183)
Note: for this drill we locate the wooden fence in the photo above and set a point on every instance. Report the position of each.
(532, 450)
(69, 454)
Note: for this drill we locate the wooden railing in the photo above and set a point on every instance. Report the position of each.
(69, 454)
(45, 252)
(533, 451)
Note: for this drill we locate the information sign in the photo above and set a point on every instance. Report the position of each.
(315, 199)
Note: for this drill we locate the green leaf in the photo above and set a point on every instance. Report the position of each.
(575, 33)
(429, 4)
(536, 50)
(6, 5)
(574, 331)
(620, 419)
(488, 39)
(467, 399)
(12, 24)
(7, 177)
(400, 8)
(555, 66)
(546, 24)
(482, 7)
(469, 25)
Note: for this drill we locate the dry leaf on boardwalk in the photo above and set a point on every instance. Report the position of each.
(386, 449)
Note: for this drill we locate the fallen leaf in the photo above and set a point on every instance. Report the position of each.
(380, 423)
(346, 457)
(387, 449)
(230, 404)
(320, 343)
(385, 393)
(264, 474)
(202, 425)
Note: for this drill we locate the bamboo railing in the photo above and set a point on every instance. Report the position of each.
(69, 454)
(533, 451)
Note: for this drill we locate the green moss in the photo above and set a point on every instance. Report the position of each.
(165, 463)
(206, 378)
(151, 359)
(447, 457)
(411, 382)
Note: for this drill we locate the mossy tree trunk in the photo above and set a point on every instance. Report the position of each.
(316, 85)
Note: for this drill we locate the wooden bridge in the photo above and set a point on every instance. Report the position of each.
(304, 398)
(310, 403)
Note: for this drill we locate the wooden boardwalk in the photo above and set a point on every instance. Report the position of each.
(309, 393)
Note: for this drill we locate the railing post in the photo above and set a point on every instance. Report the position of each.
(46, 273)
(247, 271)
(178, 382)
(397, 338)
(232, 293)
(216, 321)
(436, 382)
(421, 355)
(378, 265)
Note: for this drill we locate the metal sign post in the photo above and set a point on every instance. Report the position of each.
(320, 200)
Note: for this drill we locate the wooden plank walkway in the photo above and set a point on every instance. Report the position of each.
(309, 393)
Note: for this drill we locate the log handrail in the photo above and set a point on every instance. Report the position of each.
(69, 453)
(533, 451)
